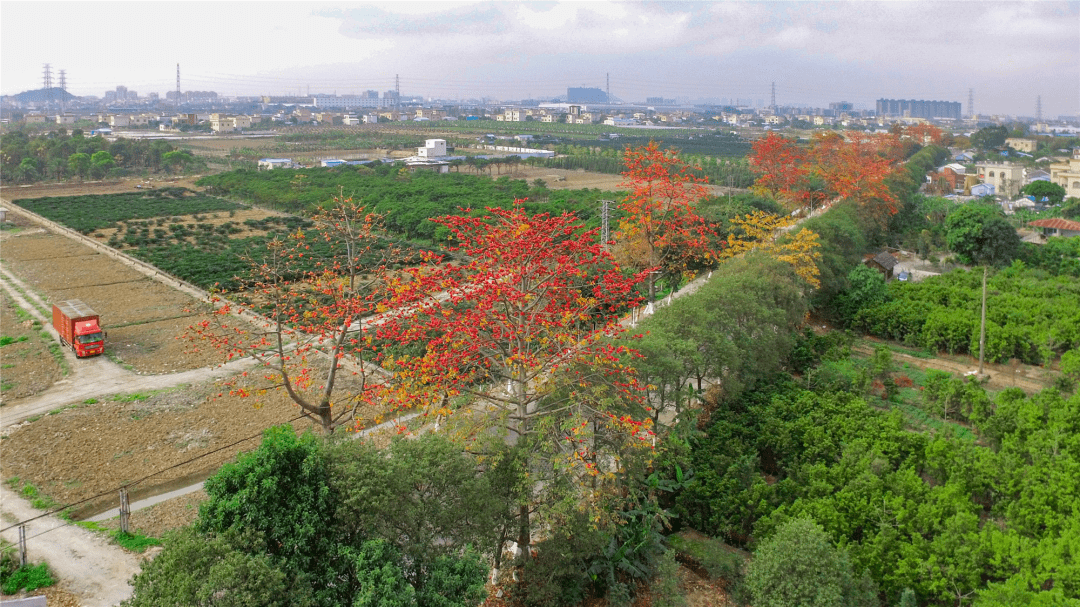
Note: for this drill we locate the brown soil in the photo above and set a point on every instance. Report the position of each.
(94, 448)
(26, 367)
(236, 217)
(158, 519)
(95, 187)
(142, 316)
(1029, 378)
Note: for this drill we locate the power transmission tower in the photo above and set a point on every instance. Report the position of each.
(177, 84)
(773, 103)
(63, 89)
(1038, 108)
(48, 83)
(397, 91)
(971, 103)
(608, 87)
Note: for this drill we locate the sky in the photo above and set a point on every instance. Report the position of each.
(1007, 54)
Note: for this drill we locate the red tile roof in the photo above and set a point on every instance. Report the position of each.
(1056, 223)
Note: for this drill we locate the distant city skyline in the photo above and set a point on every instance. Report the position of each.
(1008, 53)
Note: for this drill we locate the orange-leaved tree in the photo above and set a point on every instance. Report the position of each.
(854, 166)
(312, 288)
(515, 346)
(660, 230)
(783, 170)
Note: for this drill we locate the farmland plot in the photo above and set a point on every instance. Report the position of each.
(143, 317)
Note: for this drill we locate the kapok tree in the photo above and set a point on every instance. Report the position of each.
(854, 166)
(516, 339)
(312, 289)
(660, 230)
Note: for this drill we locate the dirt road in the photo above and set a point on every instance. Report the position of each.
(85, 562)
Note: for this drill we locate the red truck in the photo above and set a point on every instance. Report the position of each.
(79, 327)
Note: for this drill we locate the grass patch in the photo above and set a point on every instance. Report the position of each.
(90, 401)
(37, 499)
(719, 561)
(7, 340)
(135, 542)
(58, 355)
(29, 577)
(7, 385)
(133, 397)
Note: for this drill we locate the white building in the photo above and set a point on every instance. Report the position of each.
(275, 163)
(433, 148)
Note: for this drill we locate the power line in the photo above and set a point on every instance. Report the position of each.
(136, 482)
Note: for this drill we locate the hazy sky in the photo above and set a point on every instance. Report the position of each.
(816, 52)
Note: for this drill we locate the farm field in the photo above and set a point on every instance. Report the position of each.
(27, 365)
(143, 316)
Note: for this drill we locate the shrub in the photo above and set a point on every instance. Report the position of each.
(799, 565)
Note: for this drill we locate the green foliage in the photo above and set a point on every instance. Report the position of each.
(979, 234)
(135, 542)
(738, 328)
(30, 577)
(867, 288)
(798, 566)
(1030, 316)
(380, 580)
(666, 589)
(454, 582)
(58, 155)
(200, 570)
(93, 212)
(1053, 192)
(990, 137)
(408, 201)
(414, 493)
(1057, 256)
(280, 494)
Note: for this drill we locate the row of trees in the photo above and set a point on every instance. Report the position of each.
(511, 341)
(27, 158)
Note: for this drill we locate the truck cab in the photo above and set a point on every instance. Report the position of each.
(89, 339)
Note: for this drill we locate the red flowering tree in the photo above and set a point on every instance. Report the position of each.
(660, 229)
(515, 338)
(311, 289)
(854, 166)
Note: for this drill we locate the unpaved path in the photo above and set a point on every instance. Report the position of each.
(85, 562)
(1029, 378)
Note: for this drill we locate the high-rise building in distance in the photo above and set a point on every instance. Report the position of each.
(918, 108)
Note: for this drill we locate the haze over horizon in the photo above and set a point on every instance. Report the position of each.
(1008, 53)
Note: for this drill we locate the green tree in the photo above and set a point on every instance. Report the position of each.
(798, 566)
(280, 494)
(979, 234)
(79, 164)
(1053, 192)
(27, 171)
(867, 289)
(201, 570)
(100, 163)
(989, 137)
(380, 579)
(415, 495)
